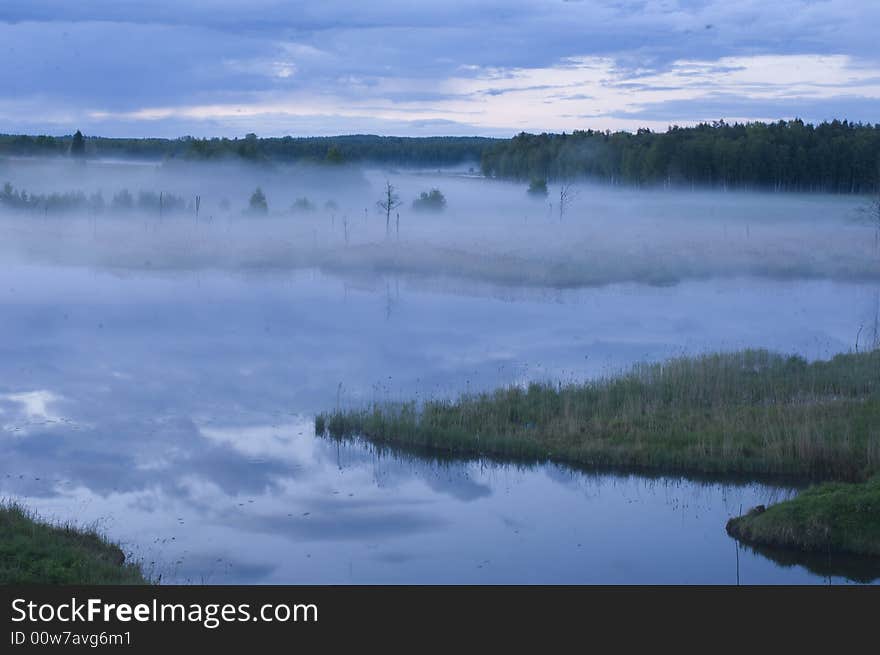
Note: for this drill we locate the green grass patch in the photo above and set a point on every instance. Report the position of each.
(827, 518)
(32, 551)
(745, 413)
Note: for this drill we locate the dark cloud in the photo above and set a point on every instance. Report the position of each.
(97, 63)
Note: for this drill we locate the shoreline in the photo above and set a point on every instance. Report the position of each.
(751, 414)
(34, 551)
(831, 518)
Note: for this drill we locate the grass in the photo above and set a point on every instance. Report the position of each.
(750, 413)
(745, 413)
(32, 551)
(831, 517)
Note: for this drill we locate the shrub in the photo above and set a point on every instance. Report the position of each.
(432, 200)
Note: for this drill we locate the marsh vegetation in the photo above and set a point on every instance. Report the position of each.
(747, 413)
(826, 518)
(751, 412)
(33, 551)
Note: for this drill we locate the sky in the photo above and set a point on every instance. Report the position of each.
(171, 68)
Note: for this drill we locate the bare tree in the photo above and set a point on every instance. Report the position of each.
(388, 204)
(567, 193)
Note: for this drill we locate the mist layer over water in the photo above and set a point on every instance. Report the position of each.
(160, 376)
(491, 231)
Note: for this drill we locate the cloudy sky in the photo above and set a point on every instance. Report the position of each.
(227, 67)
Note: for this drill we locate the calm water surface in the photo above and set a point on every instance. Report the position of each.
(175, 411)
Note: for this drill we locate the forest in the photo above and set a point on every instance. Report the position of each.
(414, 151)
(834, 157)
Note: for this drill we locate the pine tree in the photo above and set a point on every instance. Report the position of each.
(78, 145)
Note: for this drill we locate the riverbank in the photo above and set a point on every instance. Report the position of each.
(827, 518)
(751, 413)
(744, 413)
(32, 551)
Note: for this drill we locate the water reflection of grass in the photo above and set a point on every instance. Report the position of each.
(824, 563)
(32, 551)
(751, 413)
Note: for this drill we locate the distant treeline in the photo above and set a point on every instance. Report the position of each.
(414, 151)
(123, 200)
(837, 157)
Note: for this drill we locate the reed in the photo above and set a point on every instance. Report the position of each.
(751, 412)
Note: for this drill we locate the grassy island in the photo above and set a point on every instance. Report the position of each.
(831, 517)
(751, 413)
(32, 551)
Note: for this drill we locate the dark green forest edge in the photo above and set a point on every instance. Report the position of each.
(751, 413)
(336, 150)
(833, 157)
(35, 552)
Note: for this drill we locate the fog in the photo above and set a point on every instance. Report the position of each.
(490, 232)
(160, 371)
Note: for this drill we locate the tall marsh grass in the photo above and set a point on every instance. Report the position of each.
(749, 412)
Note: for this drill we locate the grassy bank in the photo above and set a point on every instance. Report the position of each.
(32, 551)
(827, 518)
(751, 412)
